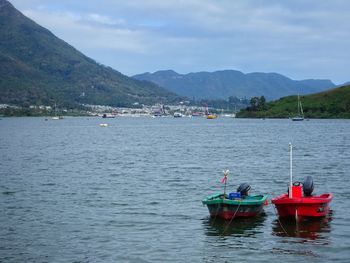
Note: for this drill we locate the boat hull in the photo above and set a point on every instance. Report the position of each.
(211, 116)
(311, 206)
(297, 119)
(228, 209)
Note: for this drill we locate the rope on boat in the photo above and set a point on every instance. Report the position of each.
(231, 218)
(216, 214)
(279, 221)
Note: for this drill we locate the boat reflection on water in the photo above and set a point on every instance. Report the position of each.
(238, 226)
(307, 228)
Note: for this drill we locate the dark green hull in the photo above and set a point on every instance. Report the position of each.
(248, 206)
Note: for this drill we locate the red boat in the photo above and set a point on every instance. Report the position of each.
(299, 201)
(302, 206)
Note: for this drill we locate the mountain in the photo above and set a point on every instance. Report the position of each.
(333, 103)
(345, 84)
(36, 67)
(226, 83)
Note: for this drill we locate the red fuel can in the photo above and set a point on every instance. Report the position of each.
(297, 191)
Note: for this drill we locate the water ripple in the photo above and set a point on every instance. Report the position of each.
(73, 192)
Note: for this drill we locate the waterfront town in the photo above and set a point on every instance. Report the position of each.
(183, 109)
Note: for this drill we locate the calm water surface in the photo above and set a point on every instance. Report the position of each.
(72, 191)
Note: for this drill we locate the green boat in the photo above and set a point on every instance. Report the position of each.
(236, 204)
(220, 205)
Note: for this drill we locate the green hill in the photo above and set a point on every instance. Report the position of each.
(37, 68)
(334, 103)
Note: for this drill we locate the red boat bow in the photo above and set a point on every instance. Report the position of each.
(307, 206)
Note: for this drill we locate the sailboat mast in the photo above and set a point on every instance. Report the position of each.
(298, 105)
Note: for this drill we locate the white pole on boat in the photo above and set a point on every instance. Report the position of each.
(226, 172)
(291, 168)
(225, 188)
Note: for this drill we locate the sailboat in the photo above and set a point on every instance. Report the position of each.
(300, 116)
(56, 117)
(209, 115)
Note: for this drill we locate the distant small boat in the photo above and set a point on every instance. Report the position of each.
(178, 115)
(299, 201)
(103, 125)
(56, 117)
(233, 115)
(209, 115)
(197, 114)
(300, 116)
(235, 204)
(105, 115)
(212, 116)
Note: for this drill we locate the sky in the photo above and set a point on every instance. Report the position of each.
(302, 39)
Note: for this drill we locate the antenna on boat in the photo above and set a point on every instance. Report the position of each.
(224, 179)
(291, 168)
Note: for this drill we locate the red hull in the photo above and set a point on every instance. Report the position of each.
(229, 215)
(310, 206)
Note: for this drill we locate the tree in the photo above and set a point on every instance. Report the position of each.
(257, 104)
(254, 103)
(262, 103)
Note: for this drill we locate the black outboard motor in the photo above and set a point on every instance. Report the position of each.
(243, 189)
(308, 186)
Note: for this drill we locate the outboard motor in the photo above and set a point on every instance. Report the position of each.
(308, 186)
(243, 189)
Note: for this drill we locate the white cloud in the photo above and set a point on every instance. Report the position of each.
(90, 31)
(105, 20)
